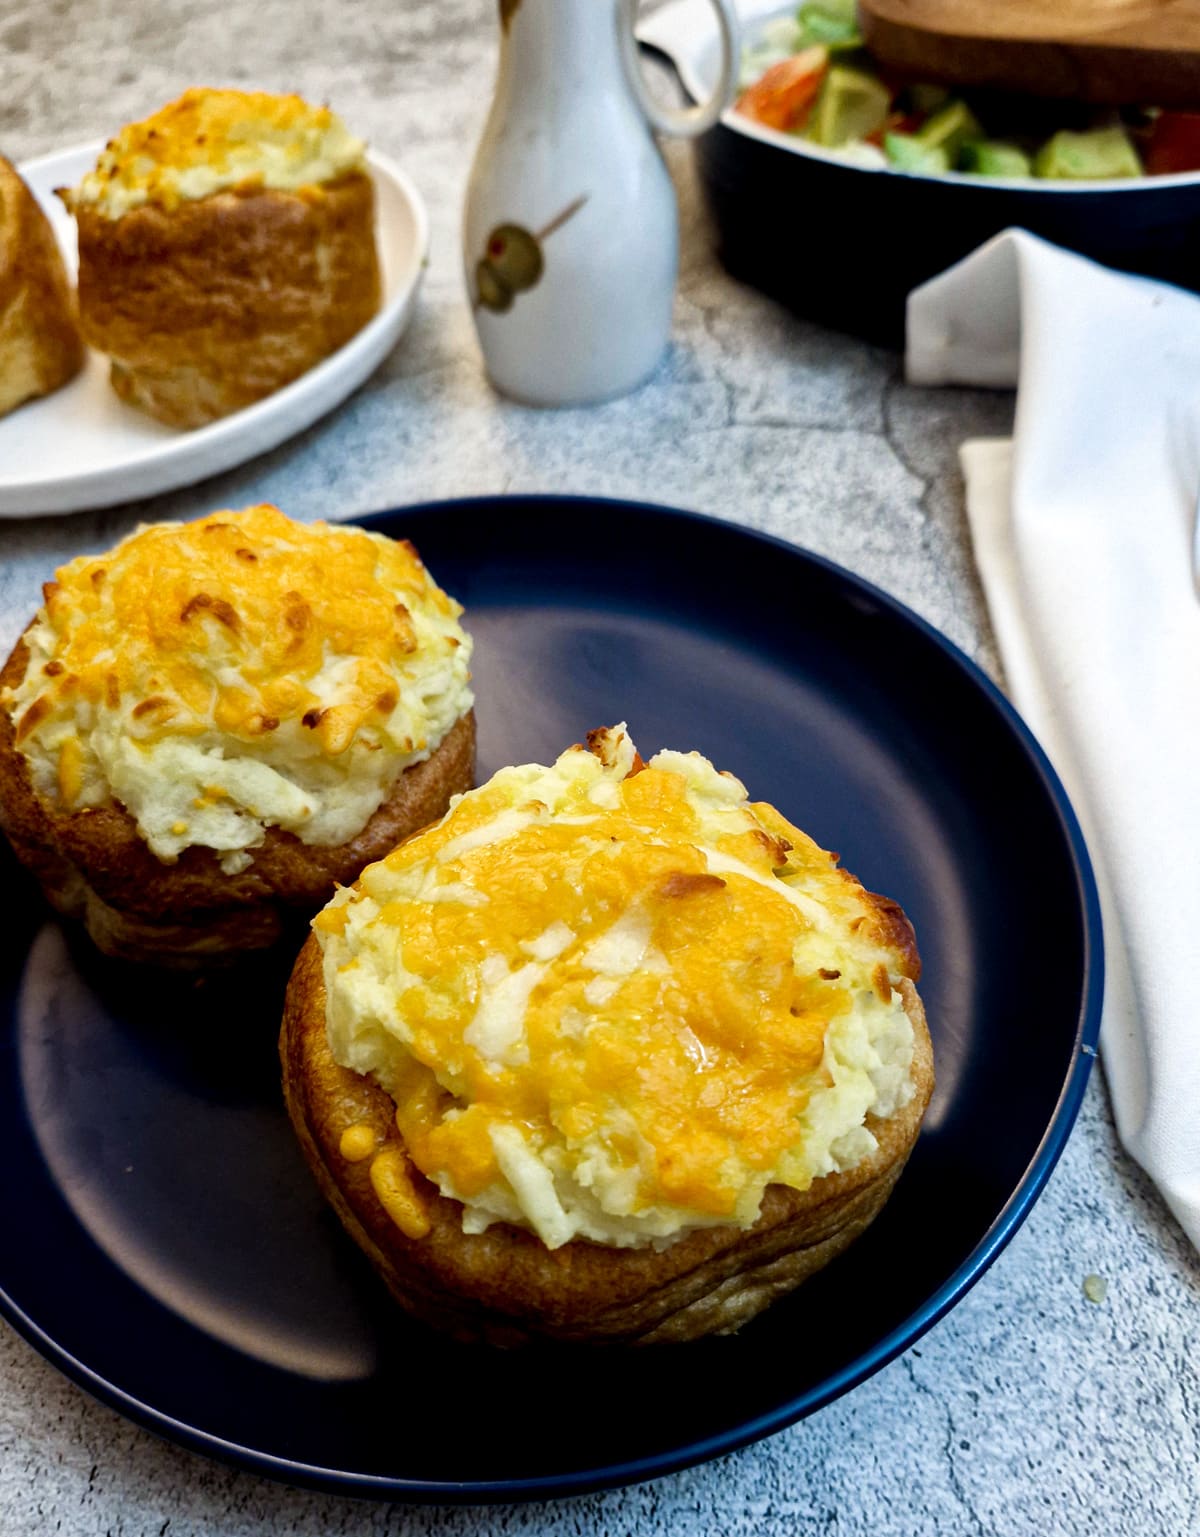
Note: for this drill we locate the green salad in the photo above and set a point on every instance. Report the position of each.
(809, 75)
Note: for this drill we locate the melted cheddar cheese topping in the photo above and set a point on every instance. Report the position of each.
(616, 1001)
(210, 141)
(239, 672)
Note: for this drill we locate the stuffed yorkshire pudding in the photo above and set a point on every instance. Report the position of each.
(40, 346)
(609, 1053)
(213, 723)
(226, 245)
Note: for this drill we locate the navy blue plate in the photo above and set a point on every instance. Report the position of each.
(166, 1245)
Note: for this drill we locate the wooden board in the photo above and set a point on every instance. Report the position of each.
(1115, 51)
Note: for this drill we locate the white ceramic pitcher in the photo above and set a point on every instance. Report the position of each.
(570, 231)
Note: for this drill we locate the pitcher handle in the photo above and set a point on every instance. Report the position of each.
(683, 122)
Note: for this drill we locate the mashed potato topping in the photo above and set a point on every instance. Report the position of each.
(208, 141)
(239, 672)
(616, 1000)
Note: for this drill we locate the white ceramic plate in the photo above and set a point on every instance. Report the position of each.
(82, 447)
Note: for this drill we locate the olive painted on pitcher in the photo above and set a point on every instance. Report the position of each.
(513, 260)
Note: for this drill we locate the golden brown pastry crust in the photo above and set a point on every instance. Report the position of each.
(40, 346)
(504, 1286)
(93, 864)
(210, 305)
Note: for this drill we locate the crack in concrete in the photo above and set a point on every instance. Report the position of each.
(791, 424)
(809, 428)
(707, 316)
(892, 384)
(956, 1483)
(734, 392)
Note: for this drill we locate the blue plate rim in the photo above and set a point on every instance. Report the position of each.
(952, 1290)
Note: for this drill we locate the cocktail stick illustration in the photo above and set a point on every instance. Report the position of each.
(513, 260)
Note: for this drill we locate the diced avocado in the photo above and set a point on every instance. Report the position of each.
(949, 128)
(831, 23)
(992, 157)
(1092, 156)
(851, 106)
(843, 11)
(906, 152)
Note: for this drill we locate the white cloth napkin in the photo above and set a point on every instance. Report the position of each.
(1084, 532)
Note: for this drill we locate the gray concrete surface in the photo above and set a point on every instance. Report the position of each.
(1029, 1409)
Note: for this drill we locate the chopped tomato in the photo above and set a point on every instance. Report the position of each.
(1173, 144)
(783, 97)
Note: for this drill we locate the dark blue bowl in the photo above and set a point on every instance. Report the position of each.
(170, 1250)
(845, 245)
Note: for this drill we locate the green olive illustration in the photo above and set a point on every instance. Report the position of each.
(515, 256)
(512, 260)
(493, 293)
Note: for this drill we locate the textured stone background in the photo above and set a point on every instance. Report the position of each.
(1027, 1410)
